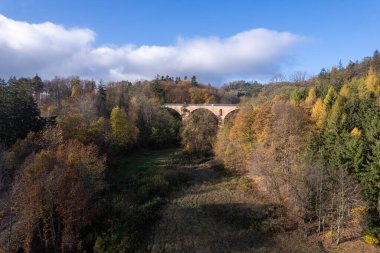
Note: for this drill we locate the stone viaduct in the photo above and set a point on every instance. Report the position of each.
(221, 111)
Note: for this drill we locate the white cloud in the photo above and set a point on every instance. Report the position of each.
(50, 49)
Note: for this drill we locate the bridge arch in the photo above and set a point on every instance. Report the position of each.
(173, 112)
(230, 115)
(216, 118)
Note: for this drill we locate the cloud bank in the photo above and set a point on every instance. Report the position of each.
(53, 50)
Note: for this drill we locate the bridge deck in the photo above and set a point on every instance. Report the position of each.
(200, 104)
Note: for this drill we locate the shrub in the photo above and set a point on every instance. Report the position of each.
(370, 239)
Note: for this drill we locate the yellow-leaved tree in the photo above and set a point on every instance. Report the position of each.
(330, 97)
(311, 98)
(318, 113)
(75, 88)
(345, 91)
(372, 82)
(234, 142)
(356, 132)
(123, 134)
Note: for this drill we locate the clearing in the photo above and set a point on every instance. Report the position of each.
(215, 212)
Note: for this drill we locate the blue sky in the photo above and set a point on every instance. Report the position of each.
(318, 34)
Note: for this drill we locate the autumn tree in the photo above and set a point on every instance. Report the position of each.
(73, 126)
(311, 98)
(199, 131)
(330, 97)
(123, 133)
(284, 143)
(318, 113)
(55, 196)
(75, 88)
(372, 82)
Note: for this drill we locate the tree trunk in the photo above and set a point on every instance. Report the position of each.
(10, 231)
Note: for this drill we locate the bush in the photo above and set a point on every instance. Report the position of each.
(152, 186)
(370, 239)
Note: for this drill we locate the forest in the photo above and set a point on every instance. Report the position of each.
(81, 167)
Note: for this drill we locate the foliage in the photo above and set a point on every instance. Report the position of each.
(330, 97)
(370, 239)
(19, 113)
(123, 134)
(320, 168)
(199, 132)
(348, 138)
(318, 113)
(55, 191)
(311, 97)
(372, 82)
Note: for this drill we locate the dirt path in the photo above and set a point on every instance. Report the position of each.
(216, 213)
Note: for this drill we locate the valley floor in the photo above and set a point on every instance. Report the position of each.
(219, 213)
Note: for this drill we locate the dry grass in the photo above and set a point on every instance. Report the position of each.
(219, 213)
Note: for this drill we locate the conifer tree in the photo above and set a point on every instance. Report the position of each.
(318, 113)
(330, 97)
(372, 82)
(311, 97)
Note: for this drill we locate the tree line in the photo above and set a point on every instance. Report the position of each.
(315, 149)
(58, 140)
